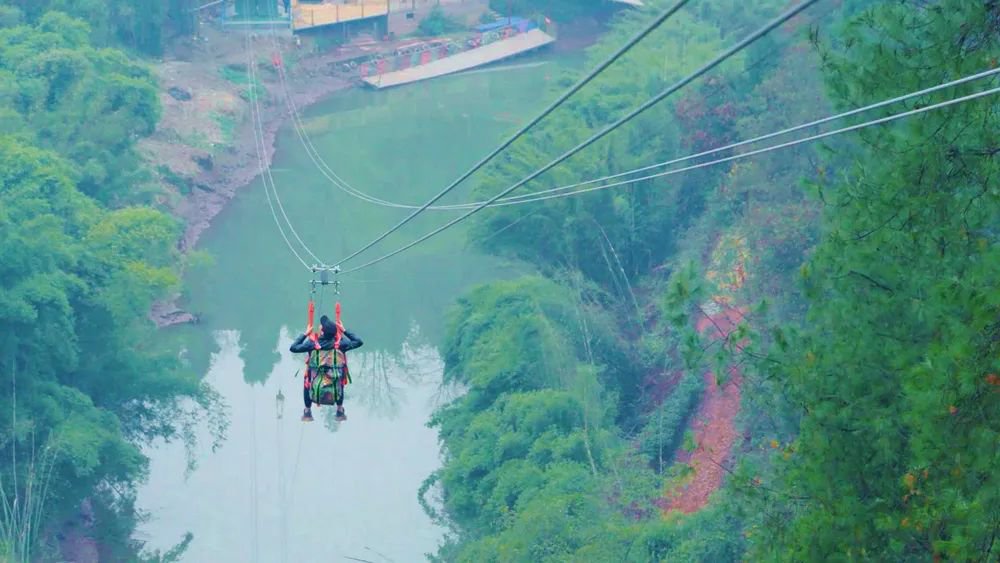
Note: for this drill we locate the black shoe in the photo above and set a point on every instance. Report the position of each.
(307, 415)
(341, 417)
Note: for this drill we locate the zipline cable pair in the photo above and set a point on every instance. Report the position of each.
(569, 190)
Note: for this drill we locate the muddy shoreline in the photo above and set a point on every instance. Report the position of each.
(238, 164)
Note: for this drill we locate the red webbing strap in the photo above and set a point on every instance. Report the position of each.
(340, 328)
(310, 333)
(336, 347)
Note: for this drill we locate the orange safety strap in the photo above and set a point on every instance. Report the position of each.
(310, 333)
(340, 328)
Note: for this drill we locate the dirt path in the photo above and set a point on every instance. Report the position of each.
(713, 426)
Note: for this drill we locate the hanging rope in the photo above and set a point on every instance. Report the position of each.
(551, 108)
(282, 491)
(255, 549)
(719, 59)
(340, 327)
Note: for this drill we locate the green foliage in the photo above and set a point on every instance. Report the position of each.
(88, 104)
(182, 183)
(634, 227)
(665, 426)
(10, 16)
(504, 452)
(81, 261)
(172, 555)
(92, 382)
(227, 126)
(438, 23)
(499, 331)
(869, 388)
(141, 25)
(529, 430)
(538, 379)
(896, 452)
(534, 467)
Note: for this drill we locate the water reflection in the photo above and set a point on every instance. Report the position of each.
(384, 375)
(258, 497)
(266, 494)
(280, 404)
(379, 379)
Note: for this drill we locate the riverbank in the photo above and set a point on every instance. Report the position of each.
(204, 148)
(204, 151)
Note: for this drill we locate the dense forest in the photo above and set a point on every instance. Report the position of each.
(88, 380)
(142, 26)
(841, 294)
(860, 273)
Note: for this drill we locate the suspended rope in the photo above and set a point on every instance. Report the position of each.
(253, 476)
(258, 146)
(552, 107)
(259, 133)
(344, 186)
(535, 196)
(761, 151)
(788, 144)
(282, 485)
(729, 159)
(775, 147)
(787, 15)
(307, 144)
(267, 177)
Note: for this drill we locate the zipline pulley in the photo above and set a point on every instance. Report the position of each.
(324, 277)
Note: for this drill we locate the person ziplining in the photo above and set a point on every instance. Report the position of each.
(326, 374)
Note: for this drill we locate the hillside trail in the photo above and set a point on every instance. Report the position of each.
(714, 424)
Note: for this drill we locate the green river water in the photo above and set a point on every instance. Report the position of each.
(281, 490)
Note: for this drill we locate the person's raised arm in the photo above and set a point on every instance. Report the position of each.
(301, 344)
(349, 341)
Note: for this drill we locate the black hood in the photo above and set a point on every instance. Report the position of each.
(329, 330)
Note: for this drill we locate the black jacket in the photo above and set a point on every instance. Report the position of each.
(348, 341)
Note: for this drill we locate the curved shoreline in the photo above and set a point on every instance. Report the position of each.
(237, 165)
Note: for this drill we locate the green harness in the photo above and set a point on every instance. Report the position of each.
(329, 376)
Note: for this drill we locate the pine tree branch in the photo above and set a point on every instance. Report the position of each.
(873, 282)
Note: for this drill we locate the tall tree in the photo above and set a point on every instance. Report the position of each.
(89, 104)
(139, 25)
(86, 380)
(894, 373)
